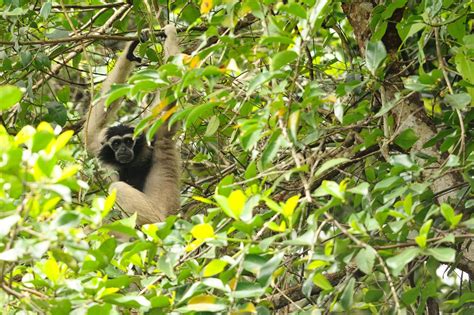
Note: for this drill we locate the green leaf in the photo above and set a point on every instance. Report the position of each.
(458, 101)
(423, 235)
(276, 39)
(283, 58)
(333, 189)
(215, 267)
(9, 96)
(293, 124)
(190, 13)
(373, 296)
(272, 148)
(388, 105)
(387, 183)
(247, 290)
(410, 296)
(128, 300)
(295, 9)
(347, 297)
(375, 54)
(117, 91)
(330, 164)
(406, 139)
(365, 260)
(361, 189)
(200, 111)
(465, 66)
(321, 281)
(41, 140)
(442, 254)
(258, 81)
(407, 31)
(46, 10)
(448, 213)
(212, 126)
(264, 274)
(398, 262)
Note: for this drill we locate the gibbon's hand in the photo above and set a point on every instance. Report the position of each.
(143, 37)
(130, 54)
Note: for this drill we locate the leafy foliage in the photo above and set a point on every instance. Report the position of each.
(309, 181)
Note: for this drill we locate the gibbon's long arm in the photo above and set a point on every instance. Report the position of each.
(161, 194)
(98, 117)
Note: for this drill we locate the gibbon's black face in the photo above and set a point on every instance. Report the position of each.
(120, 146)
(123, 148)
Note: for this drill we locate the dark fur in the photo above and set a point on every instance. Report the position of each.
(136, 172)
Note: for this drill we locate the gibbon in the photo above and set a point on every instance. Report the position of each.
(148, 175)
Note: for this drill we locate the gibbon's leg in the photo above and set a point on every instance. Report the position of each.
(132, 200)
(98, 118)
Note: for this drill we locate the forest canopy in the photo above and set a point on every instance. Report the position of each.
(326, 147)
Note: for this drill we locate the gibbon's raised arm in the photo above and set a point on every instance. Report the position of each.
(98, 117)
(161, 194)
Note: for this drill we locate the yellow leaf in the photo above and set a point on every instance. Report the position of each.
(205, 303)
(168, 113)
(317, 264)
(63, 139)
(215, 267)
(275, 227)
(202, 231)
(248, 308)
(25, 134)
(109, 202)
(68, 172)
(187, 59)
(193, 245)
(237, 201)
(233, 283)
(159, 108)
(44, 126)
(51, 203)
(208, 299)
(192, 61)
(290, 205)
(51, 270)
(206, 6)
(203, 200)
(108, 291)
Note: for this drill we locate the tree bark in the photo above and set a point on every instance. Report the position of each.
(410, 112)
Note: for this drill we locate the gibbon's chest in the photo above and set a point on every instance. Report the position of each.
(135, 175)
